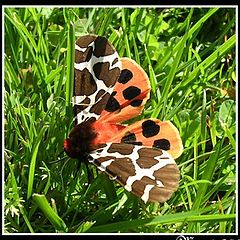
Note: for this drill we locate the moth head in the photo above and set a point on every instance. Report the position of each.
(70, 149)
(79, 142)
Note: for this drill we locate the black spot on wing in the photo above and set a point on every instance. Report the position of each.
(102, 47)
(150, 128)
(121, 168)
(129, 138)
(136, 103)
(100, 94)
(169, 176)
(163, 144)
(125, 76)
(85, 41)
(102, 72)
(148, 153)
(83, 57)
(101, 147)
(81, 106)
(146, 162)
(100, 160)
(84, 83)
(131, 92)
(124, 149)
(98, 107)
(112, 104)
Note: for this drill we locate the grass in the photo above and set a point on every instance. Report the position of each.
(189, 55)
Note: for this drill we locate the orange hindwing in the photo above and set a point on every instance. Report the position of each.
(130, 94)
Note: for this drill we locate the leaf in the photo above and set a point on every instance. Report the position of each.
(33, 162)
(227, 113)
(50, 214)
(85, 226)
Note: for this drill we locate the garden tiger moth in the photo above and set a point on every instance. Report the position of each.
(109, 90)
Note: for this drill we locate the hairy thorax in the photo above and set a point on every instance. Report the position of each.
(80, 140)
(88, 136)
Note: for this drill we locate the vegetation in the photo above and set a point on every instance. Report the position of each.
(189, 55)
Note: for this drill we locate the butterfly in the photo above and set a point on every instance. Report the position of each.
(109, 90)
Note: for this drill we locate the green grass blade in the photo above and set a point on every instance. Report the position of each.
(207, 175)
(127, 225)
(49, 213)
(222, 50)
(172, 72)
(33, 162)
(70, 71)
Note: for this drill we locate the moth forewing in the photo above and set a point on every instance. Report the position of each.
(151, 174)
(97, 68)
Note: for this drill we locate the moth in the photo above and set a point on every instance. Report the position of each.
(109, 90)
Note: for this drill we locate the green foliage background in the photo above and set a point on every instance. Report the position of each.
(189, 55)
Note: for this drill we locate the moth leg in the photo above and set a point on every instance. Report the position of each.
(85, 164)
(90, 175)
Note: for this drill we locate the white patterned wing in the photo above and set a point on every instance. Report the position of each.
(97, 68)
(150, 173)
